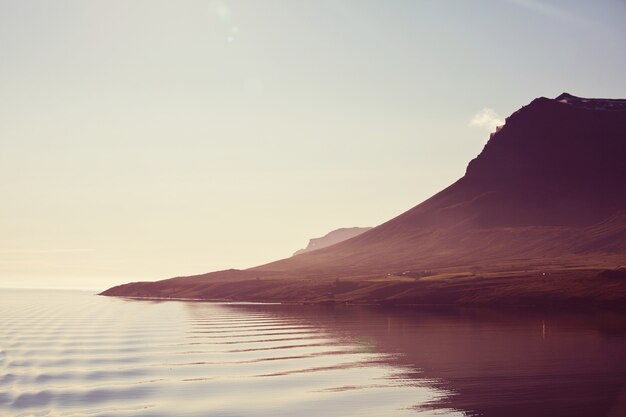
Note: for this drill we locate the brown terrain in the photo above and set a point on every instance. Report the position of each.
(539, 218)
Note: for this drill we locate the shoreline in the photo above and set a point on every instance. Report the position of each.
(499, 306)
(560, 289)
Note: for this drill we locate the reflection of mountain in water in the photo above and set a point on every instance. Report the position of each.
(497, 363)
(70, 353)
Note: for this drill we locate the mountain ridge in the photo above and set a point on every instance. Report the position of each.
(544, 194)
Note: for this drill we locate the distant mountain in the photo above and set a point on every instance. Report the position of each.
(545, 197)
(331, 238)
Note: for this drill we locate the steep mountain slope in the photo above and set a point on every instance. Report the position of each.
(547, 193)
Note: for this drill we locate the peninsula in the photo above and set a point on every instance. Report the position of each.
(539, 218)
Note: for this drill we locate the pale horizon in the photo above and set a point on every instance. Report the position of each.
(151, 139)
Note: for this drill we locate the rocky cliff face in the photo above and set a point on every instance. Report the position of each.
(555, 162)
(331, 238)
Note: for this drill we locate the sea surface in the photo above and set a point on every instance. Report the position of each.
(71, 353)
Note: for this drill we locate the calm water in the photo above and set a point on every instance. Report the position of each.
(77, 354)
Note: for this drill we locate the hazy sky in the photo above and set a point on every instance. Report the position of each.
(148, 139)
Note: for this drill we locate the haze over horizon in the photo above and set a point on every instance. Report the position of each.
(150, 139)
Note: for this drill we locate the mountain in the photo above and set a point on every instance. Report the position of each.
(550, 182)
(331, 238)
(537, 216)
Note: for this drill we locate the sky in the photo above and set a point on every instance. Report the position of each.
(146, 139)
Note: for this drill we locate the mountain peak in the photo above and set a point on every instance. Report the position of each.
(592, 103)
(562, 156)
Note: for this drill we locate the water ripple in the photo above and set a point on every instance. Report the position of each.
(75, 354)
